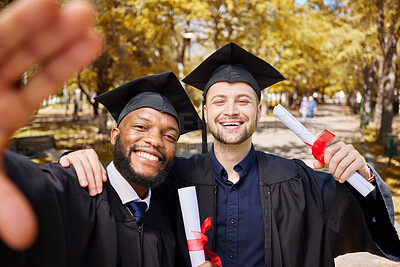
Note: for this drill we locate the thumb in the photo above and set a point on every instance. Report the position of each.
(318, 165)
(64, 161)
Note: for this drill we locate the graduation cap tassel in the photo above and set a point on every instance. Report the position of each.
(204, 148)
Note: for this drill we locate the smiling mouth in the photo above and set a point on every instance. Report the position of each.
(231, 124)
(148, 156)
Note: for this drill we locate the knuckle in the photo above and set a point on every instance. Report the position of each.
(332, 170)
(81, 174)
(342, 165)
(96, 169)
(334, 161)
(350, 147)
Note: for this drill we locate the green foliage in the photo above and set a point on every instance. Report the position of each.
(320, 46)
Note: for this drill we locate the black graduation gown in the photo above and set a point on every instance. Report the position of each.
(308, 217)
(76, 229)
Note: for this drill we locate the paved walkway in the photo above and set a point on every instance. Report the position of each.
(273, 137)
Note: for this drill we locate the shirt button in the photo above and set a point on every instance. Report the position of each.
(232, 221)
(234, 188)
(230, 256)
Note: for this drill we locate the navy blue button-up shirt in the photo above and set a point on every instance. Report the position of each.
(240, 232)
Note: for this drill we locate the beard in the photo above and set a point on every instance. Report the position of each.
(234, 138)
(123, 164)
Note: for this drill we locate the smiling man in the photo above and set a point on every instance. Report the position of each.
(122, 226)
(267, 210)
(271, 211)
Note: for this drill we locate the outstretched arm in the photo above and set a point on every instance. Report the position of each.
(61, 42)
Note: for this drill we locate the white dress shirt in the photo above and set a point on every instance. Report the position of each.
(124, 190)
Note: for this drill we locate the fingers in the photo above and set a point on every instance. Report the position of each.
(74, 21)
(207, 264)
(343, 160)
(78, 55)
(23, 19)
(64, 161)
(89, 169)
(26, 100)
(98, 171)
(18, 225)
(319, 165)
(41, 32)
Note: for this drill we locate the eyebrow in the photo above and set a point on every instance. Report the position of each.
(243, 95)
(237, 96)
(174, 129)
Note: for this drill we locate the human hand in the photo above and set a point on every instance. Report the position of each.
(342, 161)
(89, 169)
(61, 42)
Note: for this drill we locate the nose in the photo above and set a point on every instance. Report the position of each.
(231, 109)
(154, 138)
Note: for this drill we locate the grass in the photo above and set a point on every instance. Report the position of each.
(69, 134)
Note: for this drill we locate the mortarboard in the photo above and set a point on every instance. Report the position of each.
(162, 92)
(231, 63)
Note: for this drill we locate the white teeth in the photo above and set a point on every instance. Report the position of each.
(148, 156)
(231, 124)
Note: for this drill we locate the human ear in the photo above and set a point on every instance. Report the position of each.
(205, 113)
(114, 135)
(259, 111)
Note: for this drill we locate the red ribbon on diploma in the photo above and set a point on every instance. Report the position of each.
(319, 146)
(200, 242)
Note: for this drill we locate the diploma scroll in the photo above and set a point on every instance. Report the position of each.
(191, 221)
(356, 180)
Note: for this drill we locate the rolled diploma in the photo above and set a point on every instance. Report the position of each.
(191, 220)
(356, 180)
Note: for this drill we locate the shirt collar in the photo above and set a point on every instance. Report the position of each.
(217, 167)
(124, 190)
(246, 164)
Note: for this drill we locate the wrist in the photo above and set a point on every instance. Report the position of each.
(371, 178)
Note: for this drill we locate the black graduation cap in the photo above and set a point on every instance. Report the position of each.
(162, 92)
(231, 63)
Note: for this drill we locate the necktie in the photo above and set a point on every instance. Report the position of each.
(137, 209)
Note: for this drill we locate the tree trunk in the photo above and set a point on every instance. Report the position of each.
(368, 87)
(323, 96)
(103, 122)
(94, 103)
(388, 35)
(388, 80)
(379, 100)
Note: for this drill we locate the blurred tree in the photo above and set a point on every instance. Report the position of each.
(379, 49)
(388, 27)
(3, 3)
(142, 38)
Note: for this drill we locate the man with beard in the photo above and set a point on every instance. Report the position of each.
(271, 211)
(124, 225)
